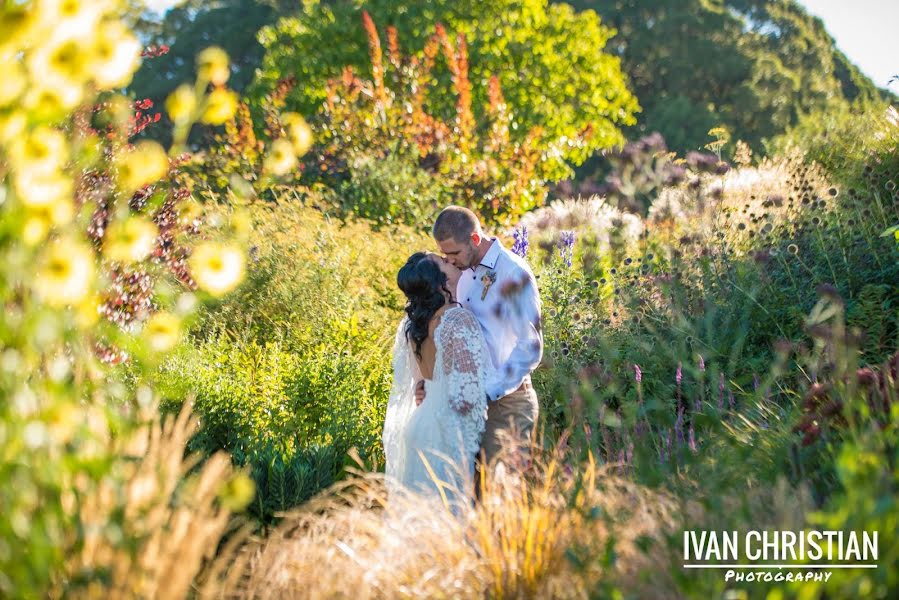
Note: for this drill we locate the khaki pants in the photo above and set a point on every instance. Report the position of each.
(511, 421)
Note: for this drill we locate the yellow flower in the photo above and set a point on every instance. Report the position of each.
(212, 66)
(298, 132)
(241, 224)
(57, 214)
(280, 158)
(190, 211)
(72, 16)
(116, 56)
(142, 165)
(221, 104)
(64, 60)
(87, 313)
(131, 240)
(12, 125)
(162, 331)
(12, 80)
(181, 103)
(217, 268)
(51, 102)
(238, 492)
(44, 150)
(66, 273)
(17, 26)
(35, 230)
(39, 190)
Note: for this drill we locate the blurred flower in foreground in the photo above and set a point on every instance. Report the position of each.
(217, 268)
(43, 150)
(162, 331)
(66, 273)
(181, 103)
(298, 132)
(280, 158)
(238, 492)
(37, 191)
(212, 66)
(144, 164)
(116, 55)
(12, 81)
(220, 107)
(131, 240)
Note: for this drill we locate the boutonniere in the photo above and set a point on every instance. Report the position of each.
(488, 279)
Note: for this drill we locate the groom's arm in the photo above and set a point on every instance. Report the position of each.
(528, 351)
(419, 392)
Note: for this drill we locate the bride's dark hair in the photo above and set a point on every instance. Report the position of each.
(424, 285)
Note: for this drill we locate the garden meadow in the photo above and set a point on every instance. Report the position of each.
(202, 215)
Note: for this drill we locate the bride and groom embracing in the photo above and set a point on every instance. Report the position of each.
(462, 361)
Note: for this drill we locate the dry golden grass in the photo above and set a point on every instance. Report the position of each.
(147, 530)
(540, 536)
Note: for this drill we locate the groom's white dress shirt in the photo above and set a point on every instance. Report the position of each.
(510, 320)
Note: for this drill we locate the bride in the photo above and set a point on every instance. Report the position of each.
(431, 448)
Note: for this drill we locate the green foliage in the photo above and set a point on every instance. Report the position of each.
(292, 371)
(392, 189)
(387, 158)
(291, 416)
(194, 25)
(550, 61)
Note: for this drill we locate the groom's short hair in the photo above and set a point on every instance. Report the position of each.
(455, 222)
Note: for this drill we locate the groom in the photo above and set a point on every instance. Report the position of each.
(499, 288)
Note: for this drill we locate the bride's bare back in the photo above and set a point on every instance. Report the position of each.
(428, 347)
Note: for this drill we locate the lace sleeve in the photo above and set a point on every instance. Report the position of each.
(464, 361)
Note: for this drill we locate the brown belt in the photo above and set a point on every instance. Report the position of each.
(525, 385)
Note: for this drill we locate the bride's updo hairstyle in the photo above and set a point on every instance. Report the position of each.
(424, 285)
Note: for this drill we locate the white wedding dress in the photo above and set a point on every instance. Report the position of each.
(431, 449)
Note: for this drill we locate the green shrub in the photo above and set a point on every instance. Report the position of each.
(292, 371)
(550, 60)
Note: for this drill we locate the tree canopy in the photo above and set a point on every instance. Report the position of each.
(752, 66)
(550, 60)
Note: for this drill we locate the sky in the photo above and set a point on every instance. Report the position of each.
(867, 31)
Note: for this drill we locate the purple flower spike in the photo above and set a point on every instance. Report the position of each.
(678, 375)
(701, 363)
(566, 246)
(692, 439)
(520, 247)
(638, 374)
